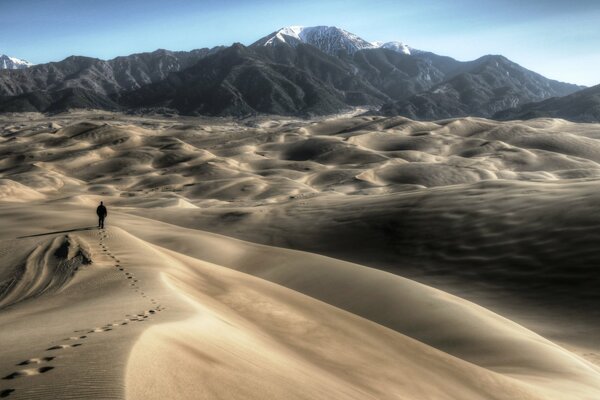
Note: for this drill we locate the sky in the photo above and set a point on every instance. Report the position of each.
(557, 38)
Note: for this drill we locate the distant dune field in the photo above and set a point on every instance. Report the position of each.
(350, 257)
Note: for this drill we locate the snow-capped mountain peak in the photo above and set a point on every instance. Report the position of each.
(329, 39)
(7, 62)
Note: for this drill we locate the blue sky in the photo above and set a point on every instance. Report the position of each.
(559, 39)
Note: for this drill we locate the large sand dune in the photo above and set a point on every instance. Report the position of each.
(352, 257)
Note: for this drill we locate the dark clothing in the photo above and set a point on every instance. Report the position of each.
(102, 213)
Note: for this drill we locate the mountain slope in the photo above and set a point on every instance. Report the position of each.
(483, 88)
(341, 74)
(582, 106)
(57, 101)
(239, 81)
(397, 75)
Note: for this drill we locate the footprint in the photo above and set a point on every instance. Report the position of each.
(36, 360)
(76, 337)
(63, 346)
(28, 372)
(103, 329)
(6, 393)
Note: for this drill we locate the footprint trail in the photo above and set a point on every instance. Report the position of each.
(139, 316)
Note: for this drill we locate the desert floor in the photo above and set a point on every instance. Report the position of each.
(355, 257)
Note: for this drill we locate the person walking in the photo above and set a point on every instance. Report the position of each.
(102, 213)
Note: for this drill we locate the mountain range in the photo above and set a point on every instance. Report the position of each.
(293, 71)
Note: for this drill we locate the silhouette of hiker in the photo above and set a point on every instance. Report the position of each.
(102, 213)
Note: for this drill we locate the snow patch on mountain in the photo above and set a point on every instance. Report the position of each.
(290, 35)
(397, 47)
(7, 62)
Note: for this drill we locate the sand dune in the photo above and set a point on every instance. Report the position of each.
(501, 215)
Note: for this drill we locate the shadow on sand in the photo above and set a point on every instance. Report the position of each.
(86, 228)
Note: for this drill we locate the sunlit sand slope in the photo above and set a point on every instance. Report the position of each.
(268, 322)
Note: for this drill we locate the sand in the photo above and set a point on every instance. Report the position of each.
(351, 257)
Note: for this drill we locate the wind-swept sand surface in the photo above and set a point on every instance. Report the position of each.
(352, 257)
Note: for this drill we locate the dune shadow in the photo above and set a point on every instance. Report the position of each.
(86, 228)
